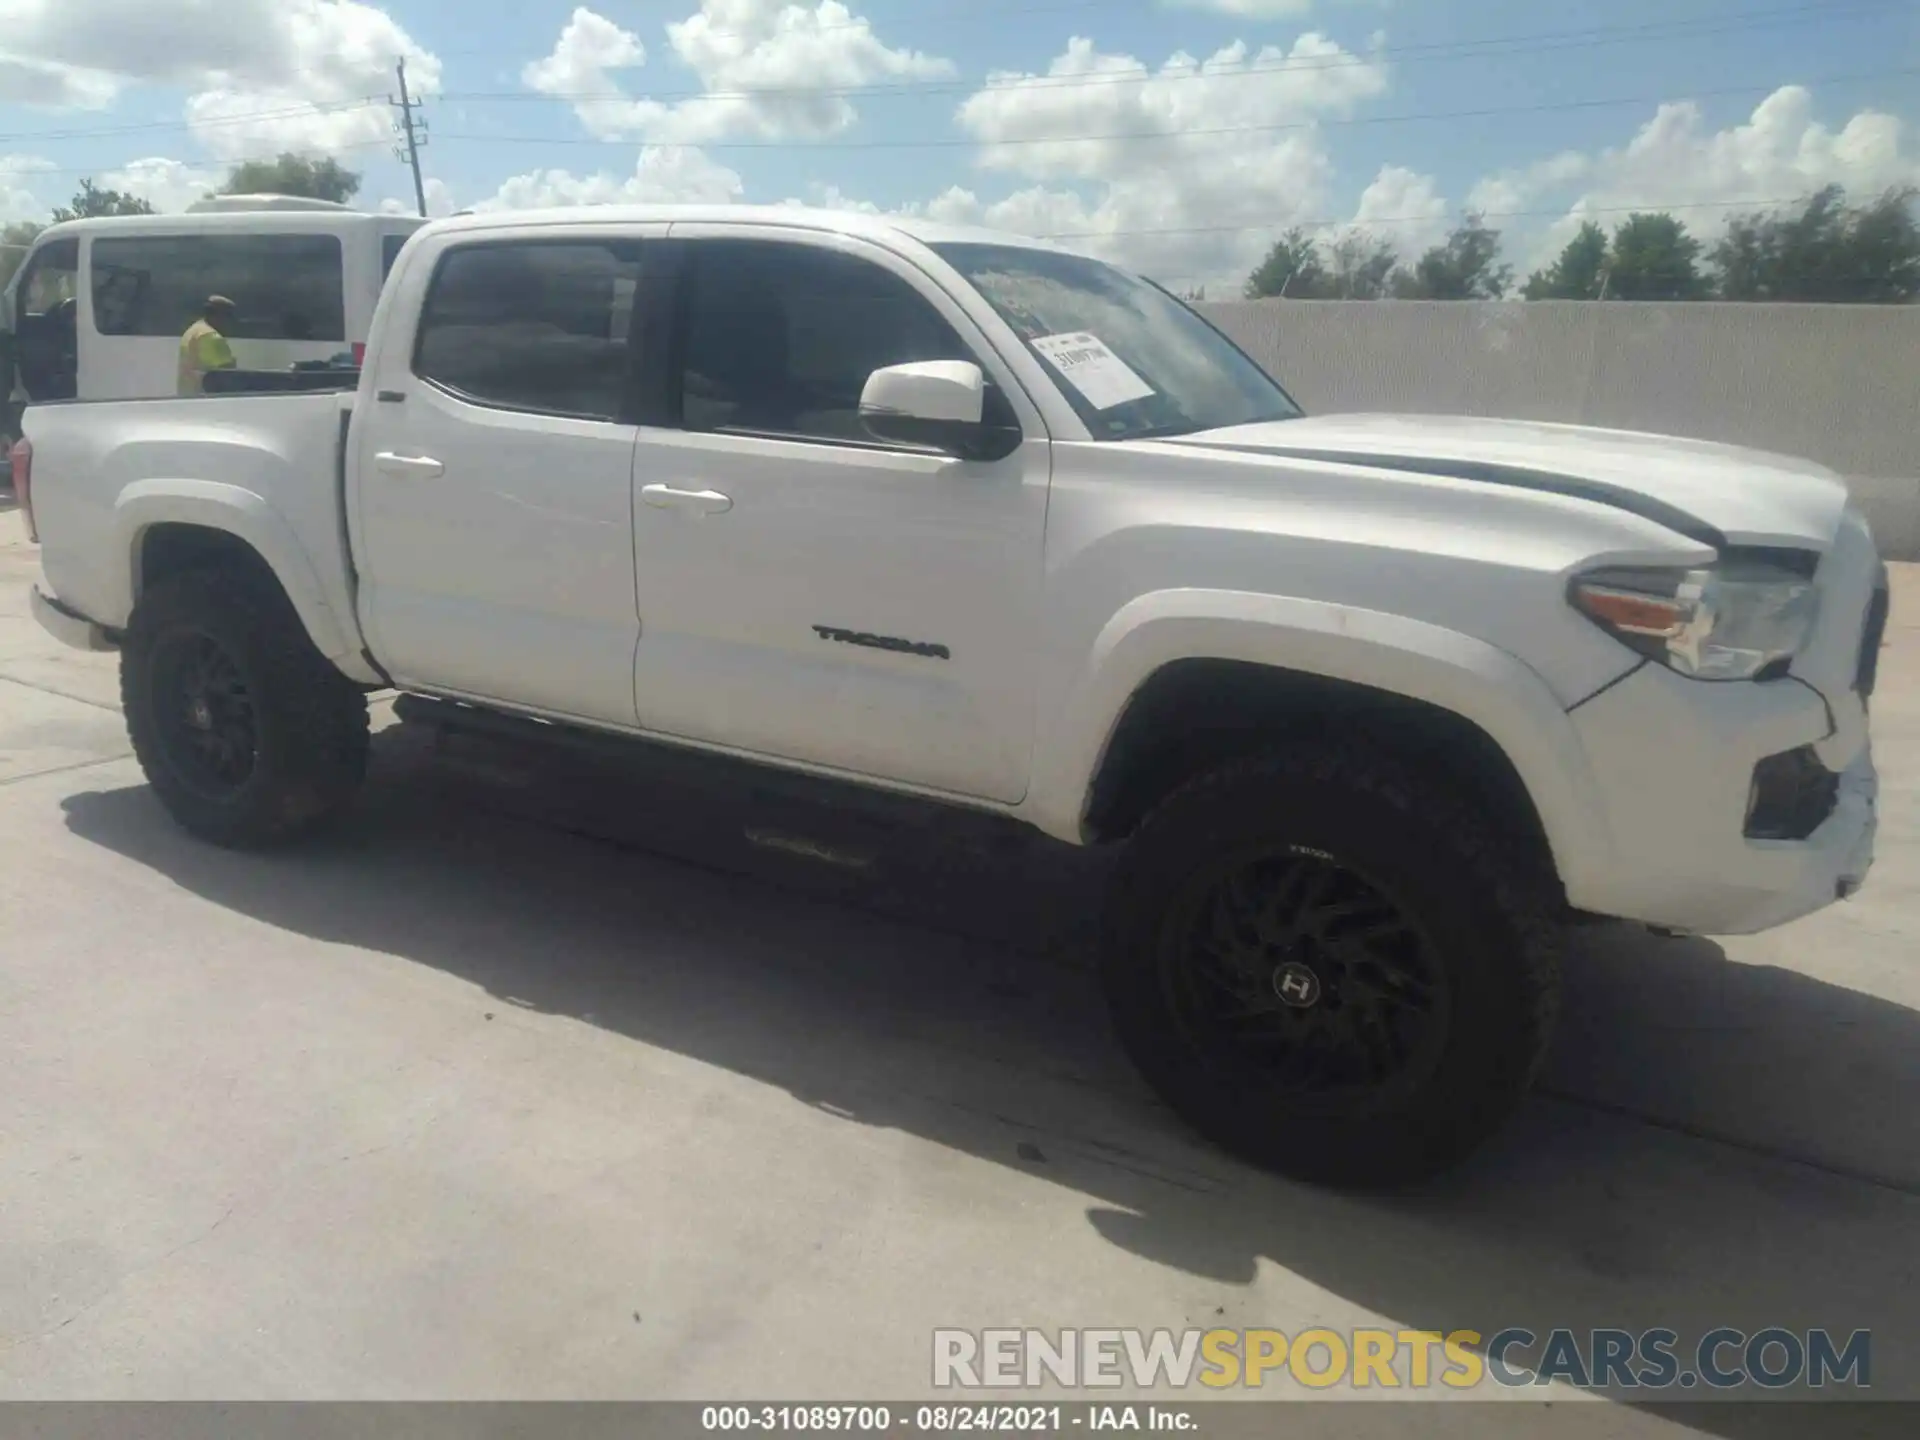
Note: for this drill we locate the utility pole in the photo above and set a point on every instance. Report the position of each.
(411, 129)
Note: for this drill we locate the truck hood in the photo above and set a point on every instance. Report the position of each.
(1717, 494)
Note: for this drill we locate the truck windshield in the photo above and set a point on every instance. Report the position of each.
(1133, 361)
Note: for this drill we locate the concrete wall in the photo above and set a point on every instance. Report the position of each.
(1839, 384)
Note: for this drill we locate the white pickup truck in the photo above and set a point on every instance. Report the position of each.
(1372, 707)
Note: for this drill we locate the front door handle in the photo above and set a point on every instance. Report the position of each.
(704, 502)
(423, 467)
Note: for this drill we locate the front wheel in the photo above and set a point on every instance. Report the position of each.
(1330, 966)
(245, 731)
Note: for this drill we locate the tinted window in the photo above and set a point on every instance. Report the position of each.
(781, 338)
(390, 248)
(1132, 361)
(536, 326)
(283, 287)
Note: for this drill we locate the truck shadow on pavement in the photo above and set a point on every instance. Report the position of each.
(942, 993)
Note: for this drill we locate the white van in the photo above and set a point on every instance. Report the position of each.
(97, 309)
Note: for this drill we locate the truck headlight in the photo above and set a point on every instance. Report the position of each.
(1731, 621)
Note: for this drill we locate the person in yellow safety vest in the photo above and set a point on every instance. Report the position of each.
(204, 347)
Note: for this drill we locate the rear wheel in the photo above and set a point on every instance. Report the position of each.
(1330, 966)
(245, 731)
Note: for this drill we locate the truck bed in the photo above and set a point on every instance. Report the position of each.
(107, 472)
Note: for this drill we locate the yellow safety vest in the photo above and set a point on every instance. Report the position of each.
(202, 348)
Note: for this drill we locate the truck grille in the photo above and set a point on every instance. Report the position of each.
(1872, 637)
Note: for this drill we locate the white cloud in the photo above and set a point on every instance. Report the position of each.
(1512, 190)
(768, 68)
(297, 60)
(439, 201)
(660, 177)
(1403, 208)
(17, 201)
(590, 47)
(1247, 9)
(30, 81)
(1217, 155)
(1256, 9)
(256, 124)
(1781, 153)
(167, 185)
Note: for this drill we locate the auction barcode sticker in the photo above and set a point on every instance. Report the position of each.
(1086, 363)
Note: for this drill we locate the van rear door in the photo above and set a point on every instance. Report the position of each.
(39, 352)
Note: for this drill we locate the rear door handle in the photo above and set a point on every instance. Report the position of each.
(423, 467)
(704, 502)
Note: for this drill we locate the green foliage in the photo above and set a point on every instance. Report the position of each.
(317, 177)
(1578, 273)
(1292, 268)
(1464, 266)
(1825, 251)
(1359, 268)
(90, 201)
(1654, 258)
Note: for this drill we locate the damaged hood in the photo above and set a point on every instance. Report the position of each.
(1718, 494)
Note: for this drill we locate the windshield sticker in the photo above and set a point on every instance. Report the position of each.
(1091, 368)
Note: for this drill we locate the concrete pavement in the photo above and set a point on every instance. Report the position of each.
(544, 1083)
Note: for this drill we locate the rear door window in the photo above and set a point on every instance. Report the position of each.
(540, 326)
(284, 287)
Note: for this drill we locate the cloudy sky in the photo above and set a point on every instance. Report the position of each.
(1176, 135)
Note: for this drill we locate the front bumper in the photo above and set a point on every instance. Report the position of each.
(68, 626)
(1682, 795)
(1676, 760)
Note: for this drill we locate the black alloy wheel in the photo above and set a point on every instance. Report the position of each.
(204, 714)
(1308, 974)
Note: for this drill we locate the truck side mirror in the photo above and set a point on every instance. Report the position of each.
(938, 404)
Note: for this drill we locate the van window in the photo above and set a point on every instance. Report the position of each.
(390, 248)
(283, 287)
(539, 325)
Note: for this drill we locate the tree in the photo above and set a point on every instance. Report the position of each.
(1576, 274)
(1465, 266)
(90, 201)
(1884, 250)
(1826, 251)
(1292, 268)
(15, 241)
(1359, 267)
(318, 177)
(1653, 258)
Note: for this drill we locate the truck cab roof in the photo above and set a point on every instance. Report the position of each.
(860, 224)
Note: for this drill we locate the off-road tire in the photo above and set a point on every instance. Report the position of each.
(1484, 902)
(310, 721)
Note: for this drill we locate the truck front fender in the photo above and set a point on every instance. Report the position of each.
(1492, 689)
(239, 512)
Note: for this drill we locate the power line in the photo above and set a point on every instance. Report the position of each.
(964, 14)
(1722, 23)
(971, 143)
(251, 117)
(1371, 222)
(110, 167)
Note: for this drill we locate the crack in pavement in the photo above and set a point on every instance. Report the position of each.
(61, 694)
(65, 769)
